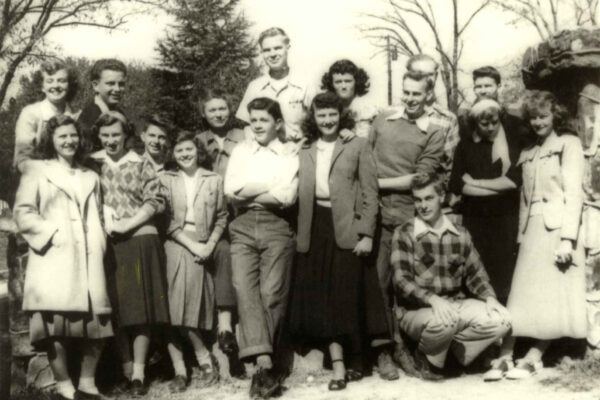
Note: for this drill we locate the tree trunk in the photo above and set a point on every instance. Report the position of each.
(10, 73)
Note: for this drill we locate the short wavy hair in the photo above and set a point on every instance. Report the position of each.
(361, 78)
(325, 100)
(45, 150)
(50, 68)
(538, 100)
(212, 94)
(113, 117)
(204, 159)
(422, 180)
(107, 64)
(419, 77)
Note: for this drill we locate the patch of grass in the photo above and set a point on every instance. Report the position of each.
(576, 375)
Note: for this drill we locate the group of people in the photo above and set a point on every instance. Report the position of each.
(324, 222)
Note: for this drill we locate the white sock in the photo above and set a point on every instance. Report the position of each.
(179, 367)
(65, 388)
(203, 357)
(138, 371)
(88, 385)
(127, 369)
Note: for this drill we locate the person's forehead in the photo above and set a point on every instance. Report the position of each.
(115, 127)
(69, 128)
(58, 73)
(216, 102)
(414, 85)
(155, 130)
(107, 74)
(343, 75)
(424, 192)
(485, 80)
(273, 41)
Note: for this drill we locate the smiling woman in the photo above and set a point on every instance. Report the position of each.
(58, 84)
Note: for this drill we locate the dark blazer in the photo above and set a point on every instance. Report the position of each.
(353, 191)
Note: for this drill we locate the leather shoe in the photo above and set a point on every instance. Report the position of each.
(428, 372)
(386, 367)
(80, 395)
(405, 360)
(264, 384)
(178, 384)
(227, 342)
(138, 389)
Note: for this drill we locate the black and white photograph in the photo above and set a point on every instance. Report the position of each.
(299, 199)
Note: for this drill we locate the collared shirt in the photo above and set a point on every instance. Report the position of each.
(401, 147)
(440, 262)
(448, 122)
(322, 169)
(275, 164)
(30, 125)
(220, 154)
(101, 104)
(291, 93)
(157, 167)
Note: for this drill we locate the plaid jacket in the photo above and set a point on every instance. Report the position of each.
(425, 264)
(448, 123)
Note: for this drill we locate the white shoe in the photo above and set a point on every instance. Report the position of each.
(525, 368)
(500, 366)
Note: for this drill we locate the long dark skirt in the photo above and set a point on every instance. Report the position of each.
(495, 238)
(139, 281)
(334, 296)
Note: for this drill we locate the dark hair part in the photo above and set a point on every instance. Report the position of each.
(112, 118)
(419, 77)
(422, 180)
(487, 72)
(110, 64)
(159, 120)
(204, 159)
(325, 100)
(274, 31)
(50, 68)
(272, 108)
(361, 79)
(539, 100)
(45, 148)
(212, 94)
(421, 57)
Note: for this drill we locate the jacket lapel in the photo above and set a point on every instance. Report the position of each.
(59, 177)
(337, 150)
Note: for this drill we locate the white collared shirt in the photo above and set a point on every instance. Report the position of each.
(291, 93)
(322, 168)
(275, 164)
(422, 228)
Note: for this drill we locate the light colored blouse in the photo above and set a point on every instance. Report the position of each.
(323, 166)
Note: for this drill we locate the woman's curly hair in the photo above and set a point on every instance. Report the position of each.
(539, 100)
(204, 158)
(361, 85)
(44, 150)
(325, 100)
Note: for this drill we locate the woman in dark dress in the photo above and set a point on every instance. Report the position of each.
(336, 222)
(485, 174)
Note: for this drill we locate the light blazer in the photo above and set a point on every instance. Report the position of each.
(62, 278)
(560, 167)
(353, 191)
(210, 210)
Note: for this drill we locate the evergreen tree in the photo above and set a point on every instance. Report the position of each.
(207, 47)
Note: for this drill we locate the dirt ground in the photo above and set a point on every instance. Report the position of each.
(372, 388)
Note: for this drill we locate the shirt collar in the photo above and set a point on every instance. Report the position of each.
(130, 156)
(291, 79)
(48, 110)
(210, 136)
(421, 228)
(157, 167)
(422, 122)
(276, 146)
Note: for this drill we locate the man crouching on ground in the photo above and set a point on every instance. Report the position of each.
(446, 299)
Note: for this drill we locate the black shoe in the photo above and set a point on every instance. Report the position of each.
(428, 372)
(178, 384)
(336, 384)
(237, 369)
(123, 386)
(80, 395)
(264, 384)
(138, 389)
(227, 342)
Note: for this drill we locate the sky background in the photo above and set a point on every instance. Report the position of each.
(321, 32)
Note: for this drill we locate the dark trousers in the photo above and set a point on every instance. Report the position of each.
(262, 251)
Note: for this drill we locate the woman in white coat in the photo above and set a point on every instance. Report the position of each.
(57, 210)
